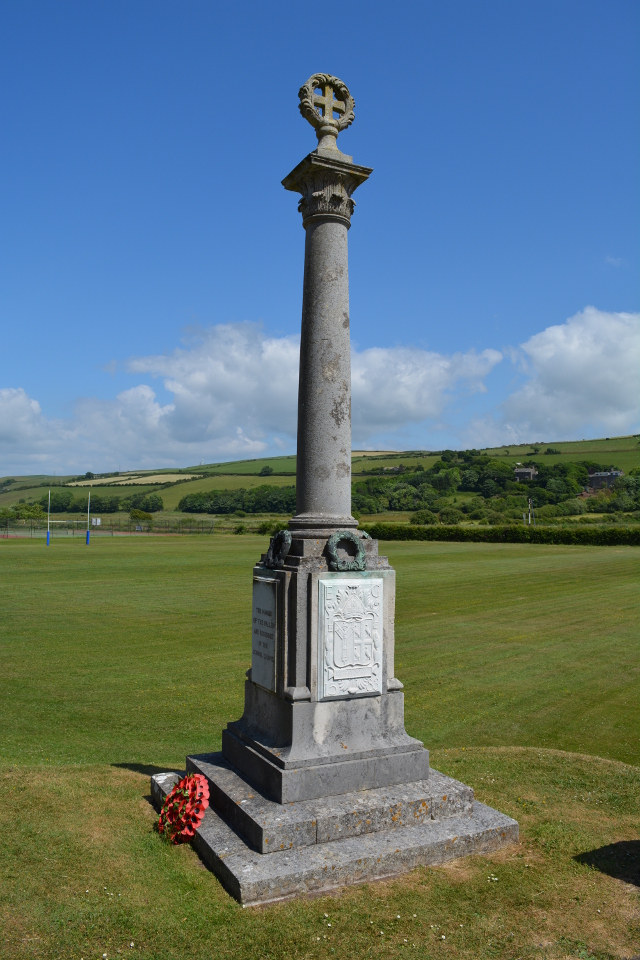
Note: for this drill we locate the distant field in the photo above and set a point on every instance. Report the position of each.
(152, 478)
(393, 516)
(173, 495)
(359, 464)
(623, 452)
(278, 464)
(374, 453)
(13, 493)
(35, 494)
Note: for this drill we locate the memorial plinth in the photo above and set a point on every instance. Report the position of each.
(318, 782)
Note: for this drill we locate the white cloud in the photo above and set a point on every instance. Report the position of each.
(231, 377)
(27, 439)
(397, 386)
(583, 380)
(233, 393)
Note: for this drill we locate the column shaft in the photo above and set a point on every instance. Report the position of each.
(323, 495)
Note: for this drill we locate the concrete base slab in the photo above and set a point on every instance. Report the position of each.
(269, 826)
(252, 877)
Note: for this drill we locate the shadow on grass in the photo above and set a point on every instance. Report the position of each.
(148, 769)
(620, 860)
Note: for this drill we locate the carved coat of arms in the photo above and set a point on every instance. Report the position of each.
(349, 637)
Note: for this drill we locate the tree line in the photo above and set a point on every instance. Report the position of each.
(63, 501)
(264, 499)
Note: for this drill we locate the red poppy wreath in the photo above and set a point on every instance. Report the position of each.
(184, 808)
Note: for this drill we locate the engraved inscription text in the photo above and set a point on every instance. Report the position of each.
(264, 632)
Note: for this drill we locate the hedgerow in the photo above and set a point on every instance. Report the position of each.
(603, 537)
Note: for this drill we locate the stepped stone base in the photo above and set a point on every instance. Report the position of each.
(263, 851)
(268, 826)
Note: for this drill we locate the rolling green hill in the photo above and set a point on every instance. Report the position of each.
(621, 452)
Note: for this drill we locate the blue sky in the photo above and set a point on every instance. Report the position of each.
(151, 262)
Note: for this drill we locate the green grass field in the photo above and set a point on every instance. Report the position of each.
(521, 667)
(285, 465)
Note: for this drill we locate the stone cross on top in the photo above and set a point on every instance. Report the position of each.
(328, 103)
(321, 97)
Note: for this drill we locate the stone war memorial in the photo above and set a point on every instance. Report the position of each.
(318, 784)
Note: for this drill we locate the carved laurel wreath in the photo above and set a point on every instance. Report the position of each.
(309, 111)
(359, 562)
(279, 547)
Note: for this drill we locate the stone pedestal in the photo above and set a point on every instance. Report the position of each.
(318, 783)
(324, 713)
(328, 718)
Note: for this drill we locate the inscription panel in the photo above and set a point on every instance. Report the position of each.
(349, 637)
(264, 632)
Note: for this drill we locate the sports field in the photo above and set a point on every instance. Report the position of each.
(521, 667)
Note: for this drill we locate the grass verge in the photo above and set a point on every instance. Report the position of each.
(83, 875)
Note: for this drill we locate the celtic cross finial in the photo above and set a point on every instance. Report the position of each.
(327, 104)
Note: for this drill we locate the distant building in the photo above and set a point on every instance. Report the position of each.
(525, 473)
(605, 479)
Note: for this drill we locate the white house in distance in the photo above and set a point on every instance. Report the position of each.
(524, 473)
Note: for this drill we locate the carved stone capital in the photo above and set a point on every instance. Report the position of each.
(330, 199)
(326, 185)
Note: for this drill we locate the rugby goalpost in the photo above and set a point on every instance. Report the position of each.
(49, 518)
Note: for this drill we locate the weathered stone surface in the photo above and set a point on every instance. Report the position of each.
(295, 741)
(306, 749)
(252, 877)
(284, 738)
(319, 772)
(323, 471)
(162, 784)
(326, 180)
(269, 826)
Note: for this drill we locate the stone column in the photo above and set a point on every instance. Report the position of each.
(326, 179)
(324, 712)
(318, 783)
(324, 394)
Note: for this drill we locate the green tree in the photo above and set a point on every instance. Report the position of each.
(139, 516)
(60, 501)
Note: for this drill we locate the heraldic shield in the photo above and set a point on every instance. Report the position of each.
(350, 637)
